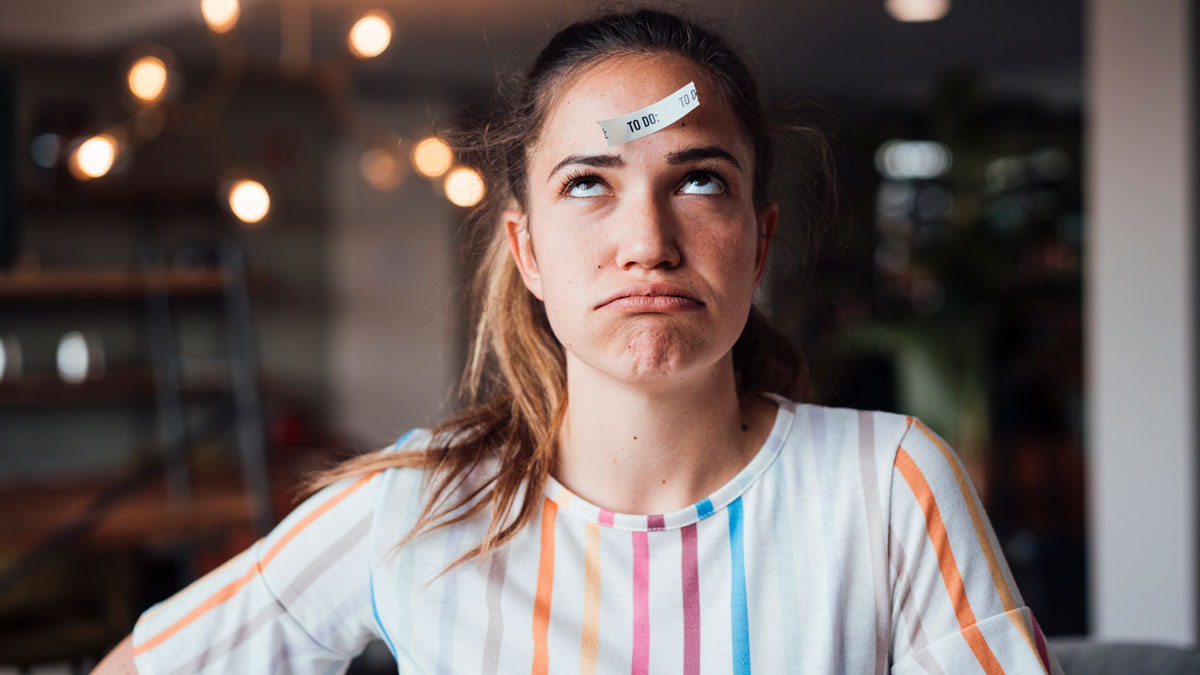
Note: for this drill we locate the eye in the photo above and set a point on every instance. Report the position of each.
(585, 186)
(702, 183)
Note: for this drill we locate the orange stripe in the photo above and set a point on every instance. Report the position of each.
(231, 589)
(983, 653)
(985, 543)
(545, 585)
(949, 568)
(589, 641)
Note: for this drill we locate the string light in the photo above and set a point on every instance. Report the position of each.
(911, 11)
(371, 34)
(220, 15)
(432, 157)
(464, 186)
(148, 79)
(381, 168)
(249, 200)
(94, 157)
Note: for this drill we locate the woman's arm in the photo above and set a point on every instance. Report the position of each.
(119, 661)
(955, 606)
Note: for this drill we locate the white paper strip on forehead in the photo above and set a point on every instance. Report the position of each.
(651, 118)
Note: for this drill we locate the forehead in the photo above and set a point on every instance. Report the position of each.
(620, 85)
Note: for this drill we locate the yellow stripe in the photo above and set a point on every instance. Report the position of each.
(589, 643)
(953, 581)
(1002, 589)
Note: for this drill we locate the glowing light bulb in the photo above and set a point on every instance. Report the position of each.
(94, 157)
(249, 200)
(148, 79)
(220, 15)
(432, 157)
(381, 168)
(371, 34)
(911, 11)
(464, 186)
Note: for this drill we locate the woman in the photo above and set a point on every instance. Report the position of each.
(633, 490)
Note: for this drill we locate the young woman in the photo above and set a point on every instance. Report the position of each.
(633, 489)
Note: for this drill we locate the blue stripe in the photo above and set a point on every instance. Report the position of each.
(400, 441)
(739, 614)
(375, 611)
(705, 509)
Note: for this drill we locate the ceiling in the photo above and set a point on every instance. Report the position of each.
(842, 48)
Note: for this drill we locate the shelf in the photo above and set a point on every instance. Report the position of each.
(100, 197)
(149, 514)
(114, 387)
(109, 282)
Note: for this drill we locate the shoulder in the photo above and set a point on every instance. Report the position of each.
(847, 433)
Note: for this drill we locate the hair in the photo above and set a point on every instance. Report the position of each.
(514, 382)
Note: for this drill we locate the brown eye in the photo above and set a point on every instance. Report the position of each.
(702, 183)
(586, 186)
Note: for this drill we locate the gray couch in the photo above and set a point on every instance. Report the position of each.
(1082, 657)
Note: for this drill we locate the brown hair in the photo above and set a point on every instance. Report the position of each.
(514, 383)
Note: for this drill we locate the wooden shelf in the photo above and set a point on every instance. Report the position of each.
(114, 387)
(149, 514)
(109, 282)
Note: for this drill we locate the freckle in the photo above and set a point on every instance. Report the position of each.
(614, 461)
(664, 481)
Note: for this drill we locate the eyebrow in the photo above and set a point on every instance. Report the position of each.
(674, 158)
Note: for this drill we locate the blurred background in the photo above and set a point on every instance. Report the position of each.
(228, 257)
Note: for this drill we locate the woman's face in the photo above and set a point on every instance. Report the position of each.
(646, 254)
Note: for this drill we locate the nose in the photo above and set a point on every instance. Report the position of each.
(648, 240)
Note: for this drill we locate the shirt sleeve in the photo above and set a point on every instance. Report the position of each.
(955, 607)
(299, 600)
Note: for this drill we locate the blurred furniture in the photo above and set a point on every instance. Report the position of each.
(80, 555)
(1083, 657)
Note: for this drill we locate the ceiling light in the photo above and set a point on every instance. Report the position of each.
(94, 157)
(148, 79)
(249, 200)
(911, 11)
(371, 34)
(220, 15)
(432, 157)
(464, 186)
(381, 168)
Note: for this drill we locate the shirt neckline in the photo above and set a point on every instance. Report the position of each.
(568, 501)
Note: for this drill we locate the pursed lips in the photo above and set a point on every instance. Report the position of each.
(652, 297)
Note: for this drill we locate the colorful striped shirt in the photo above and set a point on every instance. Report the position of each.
(853, 542)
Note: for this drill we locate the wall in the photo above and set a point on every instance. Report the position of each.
(1140, 325)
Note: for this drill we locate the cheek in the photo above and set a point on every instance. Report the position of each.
(565, 267)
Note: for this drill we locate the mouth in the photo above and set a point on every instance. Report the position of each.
(652, 297)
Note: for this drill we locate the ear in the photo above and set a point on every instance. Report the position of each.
(768, 218)
(520, 244)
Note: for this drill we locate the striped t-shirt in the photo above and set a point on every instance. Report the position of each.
(853, 542)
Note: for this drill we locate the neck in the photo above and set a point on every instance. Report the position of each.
(636, 451)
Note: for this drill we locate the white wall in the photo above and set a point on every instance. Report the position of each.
(392, 346)
(1141, 341)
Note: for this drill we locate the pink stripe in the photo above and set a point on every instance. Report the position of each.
(641, 604)
(1041, 643)
(691, 602)
(655, 522)
(606, 517)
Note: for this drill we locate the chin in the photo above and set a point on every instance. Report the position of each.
(659, 359)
